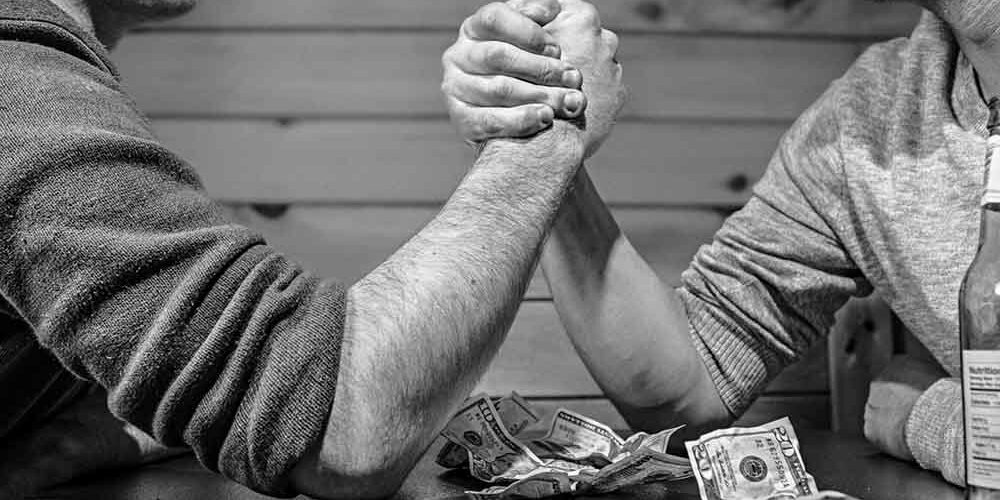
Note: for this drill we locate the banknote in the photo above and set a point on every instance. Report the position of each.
(639, 467)
(754, 463)
(539, 485)
(656, 442)
(578, 438)
(496, 454)
(516, 415)
(577, 454)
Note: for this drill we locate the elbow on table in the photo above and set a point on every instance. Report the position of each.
(699, 409)
(359, 477)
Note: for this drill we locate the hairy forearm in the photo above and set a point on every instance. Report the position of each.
(422, 327)
(629, 327)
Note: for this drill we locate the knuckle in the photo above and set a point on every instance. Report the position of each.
(490, 126)
(455, 113)
(448, 87)
(489, 17)
(448, 56)
(588, 14)
(495, 56)
(468, 125)
(549, 73)
(537, 38)
(470, 131)
(552, 6)
(501, 89)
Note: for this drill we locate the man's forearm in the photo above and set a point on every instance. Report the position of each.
(423, 326)
(629, 327)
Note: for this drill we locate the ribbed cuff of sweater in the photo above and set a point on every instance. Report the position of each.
(735, 363)
(934, 430)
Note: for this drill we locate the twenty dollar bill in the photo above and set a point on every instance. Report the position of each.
(754, 463)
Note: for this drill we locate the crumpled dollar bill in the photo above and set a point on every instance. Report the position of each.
(578, 455)
(753, 463)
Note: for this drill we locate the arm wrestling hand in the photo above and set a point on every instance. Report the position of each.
(592, 49)
(491, 97)
(890, 400)
(503, 76)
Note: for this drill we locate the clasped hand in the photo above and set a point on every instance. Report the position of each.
(517, 66)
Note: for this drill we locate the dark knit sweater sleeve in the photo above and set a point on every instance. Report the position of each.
(203, 335)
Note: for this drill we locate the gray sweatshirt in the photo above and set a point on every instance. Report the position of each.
(116, 267)
(876, 187)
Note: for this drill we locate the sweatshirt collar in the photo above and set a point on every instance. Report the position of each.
(966, 100)
(950, 74)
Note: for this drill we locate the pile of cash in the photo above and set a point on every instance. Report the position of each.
(582, 456)
(577, 456)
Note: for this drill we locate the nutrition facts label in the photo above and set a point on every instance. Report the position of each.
(981, 392)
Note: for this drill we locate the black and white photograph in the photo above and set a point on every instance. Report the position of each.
(519, 249)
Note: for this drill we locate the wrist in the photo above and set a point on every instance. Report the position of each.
(558, 149)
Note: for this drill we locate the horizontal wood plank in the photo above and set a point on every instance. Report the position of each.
(805, 411)
(373, 161)
(348, 242)
(398, 74)
(538, 360)
(811, 17)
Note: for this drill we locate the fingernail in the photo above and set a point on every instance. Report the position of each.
(572, 102)
(552, 51)
(571, 78)
(545, 116)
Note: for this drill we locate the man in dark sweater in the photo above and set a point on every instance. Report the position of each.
(119, 273)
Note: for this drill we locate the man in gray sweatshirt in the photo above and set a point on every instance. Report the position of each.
(875, 188)
(118, 272)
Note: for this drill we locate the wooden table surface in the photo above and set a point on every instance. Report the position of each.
(845, 464)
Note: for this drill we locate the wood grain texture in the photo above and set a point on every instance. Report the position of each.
(814, 17)
(398, 74)
(348, 242)
(538, 360)
(362, 161)
(806, 411)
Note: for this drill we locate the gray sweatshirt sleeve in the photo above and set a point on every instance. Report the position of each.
(202, 334)
(771, 280)
(935, 432)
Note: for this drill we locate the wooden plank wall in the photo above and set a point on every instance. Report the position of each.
(319, 122)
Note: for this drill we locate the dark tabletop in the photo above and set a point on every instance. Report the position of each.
(845, 464)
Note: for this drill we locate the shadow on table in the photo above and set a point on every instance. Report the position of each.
(845, 464)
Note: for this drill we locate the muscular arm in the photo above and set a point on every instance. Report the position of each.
(629, 328)
(751, 303)
(421, 328)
